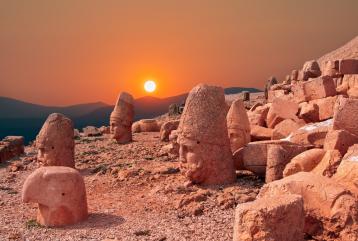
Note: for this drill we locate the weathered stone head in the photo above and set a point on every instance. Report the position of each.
(60, 193)
(238, 125)
(203, 137)
(121, 118)
(55, 142)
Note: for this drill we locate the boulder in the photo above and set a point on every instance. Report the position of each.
(339, 140)
(258, 115)
(60, 193)
(149, 125)
(281, 110)
(270, 218)
(309, 112)
(347, 171)
(346, 115)
(167, 128)
(91, 131)
(316, 88)
(203, 137)
(259, 133)
(55, 142)
(238, 125)
(254, 155)
(304, 162)
(325, 107)
(311, 134)
(310, 69)
(331, 211)
(284, 129)
(329, 163)
(348, 66)
(105, 130)
(10, 147)
(278, 156)
(273, 94)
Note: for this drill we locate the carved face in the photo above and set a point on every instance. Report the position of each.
(191, 155)
(118, 130)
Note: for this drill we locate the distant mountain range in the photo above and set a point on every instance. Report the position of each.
(25, 119)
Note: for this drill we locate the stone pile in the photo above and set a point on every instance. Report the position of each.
(305, 143)
(10, 147)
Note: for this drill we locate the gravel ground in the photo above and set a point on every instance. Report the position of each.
(133, 192)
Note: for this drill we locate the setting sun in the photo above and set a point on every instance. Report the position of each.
(150, 86)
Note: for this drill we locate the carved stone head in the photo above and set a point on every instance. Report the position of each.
(55, 142)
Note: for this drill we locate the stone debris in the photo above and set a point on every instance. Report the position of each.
(167, 128)
(10, 147)
(60, 193)
(278, 218)
(331, 211)
(91, 131)
(304, 162)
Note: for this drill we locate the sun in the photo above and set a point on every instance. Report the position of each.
(150, 86)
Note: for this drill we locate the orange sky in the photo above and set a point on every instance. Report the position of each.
(63, 52)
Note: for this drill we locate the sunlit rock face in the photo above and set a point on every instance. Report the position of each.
(60, 193)
(121, 119)
(55, 142)
(203, 137)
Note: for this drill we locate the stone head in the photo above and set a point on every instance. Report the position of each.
(55, 141)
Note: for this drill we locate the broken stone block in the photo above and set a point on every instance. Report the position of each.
(258, 115)
(149, 125)
(278, 218)
(317, 88)
(329, 163)
(10, 147)
(329, 207)
(348, 66)
(255, 155)
(284, 129)
(167, 128)
(346, 115)
(347, 171)
(238, 125)
(259, 133)
(304, 162)
(91, 131)
(309, 112)
(325, 107)
(60, 193)
(273, 94)
(311, 134)
(281, 110)
(278, 156)
(339, 140)
(310, 69)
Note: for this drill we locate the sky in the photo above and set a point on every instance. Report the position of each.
(64, 52)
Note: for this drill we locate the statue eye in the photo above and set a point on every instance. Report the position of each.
(197, 142)
(63, 194)
(53, 147)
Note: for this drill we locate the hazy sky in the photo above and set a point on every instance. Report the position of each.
(62, 52)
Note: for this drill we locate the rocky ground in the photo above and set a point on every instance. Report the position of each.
(134, 193)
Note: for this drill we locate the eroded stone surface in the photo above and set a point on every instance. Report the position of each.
(203, 137)
(60, 193)
(55, 142)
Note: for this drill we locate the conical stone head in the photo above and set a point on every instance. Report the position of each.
(203, 137)
(238, 125)
(55, 142)
(121, 118)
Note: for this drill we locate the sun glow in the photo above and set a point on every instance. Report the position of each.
(150, 86)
